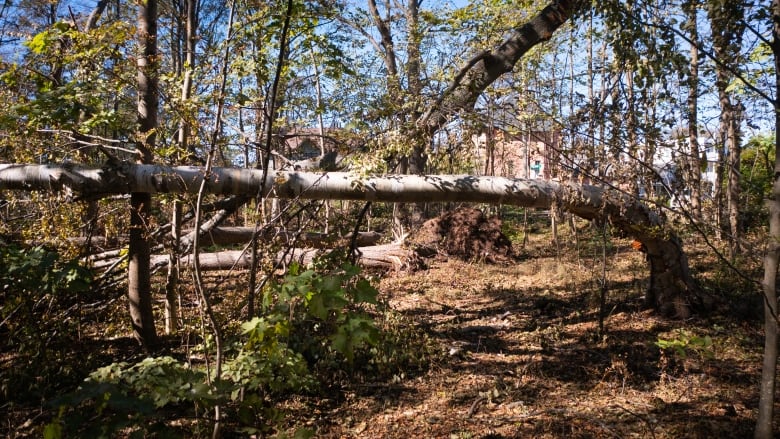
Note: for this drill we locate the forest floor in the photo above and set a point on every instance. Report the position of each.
(523, 357)
(515, 350)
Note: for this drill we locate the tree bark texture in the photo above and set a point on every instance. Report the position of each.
(735, 177)
(172, 280)
(727, 23)
(242, 235)
(671, 288)
(694, 161)
(139, 276)
(388, 256)
(766, 402)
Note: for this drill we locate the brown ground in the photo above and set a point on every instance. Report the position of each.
(519, 354)
(522, 358)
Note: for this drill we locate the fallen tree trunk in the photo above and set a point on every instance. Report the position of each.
(387, 256)
(242, 235)
(671, 290)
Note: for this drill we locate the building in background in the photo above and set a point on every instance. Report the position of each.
(668, 167)
(516, 154)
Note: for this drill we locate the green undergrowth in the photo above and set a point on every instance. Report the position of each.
(41, 294)
(316, 327)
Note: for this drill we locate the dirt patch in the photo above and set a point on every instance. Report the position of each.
(522, 358)
(467, 234)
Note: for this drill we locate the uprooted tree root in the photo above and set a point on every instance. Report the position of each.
(464, 233)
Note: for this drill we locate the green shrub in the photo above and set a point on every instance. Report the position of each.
(324, 312)
(308, 314)
(39, 298)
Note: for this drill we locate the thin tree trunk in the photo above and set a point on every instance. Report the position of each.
(717, 193)
(766, 402)
(387, 49)
(320, 124)
(186, 85)
(651, 140)
(139, 276)
(694, 164)
(591, 140)
(93, 210)
(204, 296)
(172, 280)
(418, 159)
(632, 126)
(727, 28)
(616, 173)
(735, 177)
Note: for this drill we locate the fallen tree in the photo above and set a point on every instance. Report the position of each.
(242, 235)
(387, 256)
(672, 289)
(464, 233)
(219, 236)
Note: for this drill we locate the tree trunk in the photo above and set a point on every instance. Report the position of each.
(488, 66)
(672, 289)
(727, 22)
(734, 186)
(172, 280)
(139, 276)
(418, 159)
(694, 165)
(632, 126)
(387, 50)
(387, 256)
(242, 235)
(717, 193)
(191, 37)
(766, 402)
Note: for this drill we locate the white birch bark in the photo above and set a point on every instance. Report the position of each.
(672, 288)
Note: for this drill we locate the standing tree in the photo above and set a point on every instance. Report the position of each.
(693, 164)
(766, 403)
(139, 270)
(727, 22)
(403, 94)
(184, 67)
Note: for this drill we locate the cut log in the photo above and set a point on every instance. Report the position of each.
(242, 235)
(388, 256)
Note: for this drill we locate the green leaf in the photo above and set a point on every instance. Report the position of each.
(356, 331)
(303, 433)
(318, 306)
(52, 431)
(39, 42)
(330, 283)
(365, 292)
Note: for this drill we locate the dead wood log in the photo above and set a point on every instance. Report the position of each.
(393, 256)
(672, 289)
(388, 256)
(242, 235)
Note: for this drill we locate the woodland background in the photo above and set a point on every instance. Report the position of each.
(645, 100)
